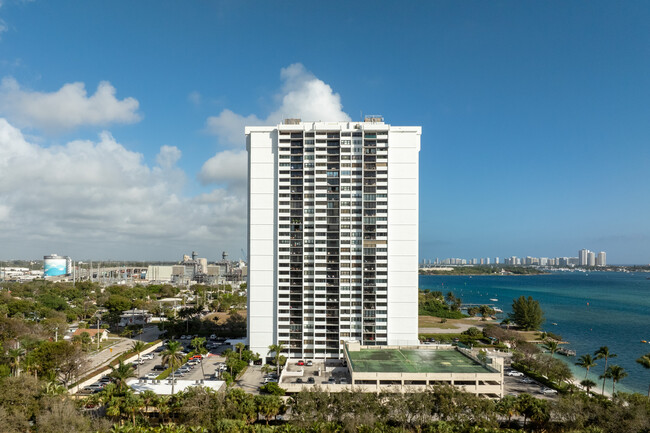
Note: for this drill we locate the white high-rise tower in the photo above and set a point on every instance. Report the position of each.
(332, 235)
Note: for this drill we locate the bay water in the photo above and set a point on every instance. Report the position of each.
(588, 309)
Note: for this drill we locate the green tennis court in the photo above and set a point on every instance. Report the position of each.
(413, 361)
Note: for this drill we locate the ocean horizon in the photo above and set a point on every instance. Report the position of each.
(588, 309)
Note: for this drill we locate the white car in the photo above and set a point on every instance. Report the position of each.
(151, 375)
(147, 356)
(515, 373)
(548, 391)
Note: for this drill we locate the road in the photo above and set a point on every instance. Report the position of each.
(122, 345)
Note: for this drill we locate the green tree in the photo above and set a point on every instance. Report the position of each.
(14, 356)
(198, 343)
(268, 406)
(138, 347)
(551, 346)
(121, 374)
(240, 347)
(507, 406)
(645, 363)
(273, 389)
(586, 361)
(604, 353)
(486, 311)
(588, 383)
(276, 349)
(527, 313)
(616, 373)
(172, 357)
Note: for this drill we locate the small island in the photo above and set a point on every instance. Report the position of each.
(481, 270)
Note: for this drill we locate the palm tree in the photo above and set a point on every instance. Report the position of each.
(138, 347)
(149, 399)
(603, 352)
(277, 350)
(14, 359)
(53, 388)
(551, 346)
(616, 372)
(587, 383)
(645, 362)
(586, 361)
(507, 406)
(240, 347)
(121, 374)
(172, 356)
(198, 344)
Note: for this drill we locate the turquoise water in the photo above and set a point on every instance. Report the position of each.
(591, 310)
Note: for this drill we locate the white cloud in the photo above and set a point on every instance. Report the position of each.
(168, 156)
(97, 199)
(302, 95)
(67, 108)
(227, 167)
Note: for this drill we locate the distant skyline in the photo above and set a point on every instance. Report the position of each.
(121, 123)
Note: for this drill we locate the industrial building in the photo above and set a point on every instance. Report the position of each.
(332, 235)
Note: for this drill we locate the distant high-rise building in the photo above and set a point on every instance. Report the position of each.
(332, 236)
(591, 259)
(487, 260)
(582, 257)
(602, 259)
(496, 260)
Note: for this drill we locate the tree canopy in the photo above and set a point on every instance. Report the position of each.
(527, 313)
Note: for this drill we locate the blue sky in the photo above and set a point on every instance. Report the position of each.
(535, 119)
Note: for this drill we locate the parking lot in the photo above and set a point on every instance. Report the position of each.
(319, 372)
(151, 367)
(515, 385)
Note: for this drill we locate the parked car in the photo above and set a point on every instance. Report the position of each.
(548, 391)
(309, 363)
(526, 380)
(159, 368)
(151, 375)
(300, 362)
(311, 380)
(213, 337)
(343, 381)
(299, 380)
(147, 356)
(515, 373)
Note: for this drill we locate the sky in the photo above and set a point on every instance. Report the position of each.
(121, 122)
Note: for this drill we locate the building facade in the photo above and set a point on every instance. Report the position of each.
(332, 236)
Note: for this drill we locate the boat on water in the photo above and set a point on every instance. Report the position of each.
(494, 300)
(566, 352)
